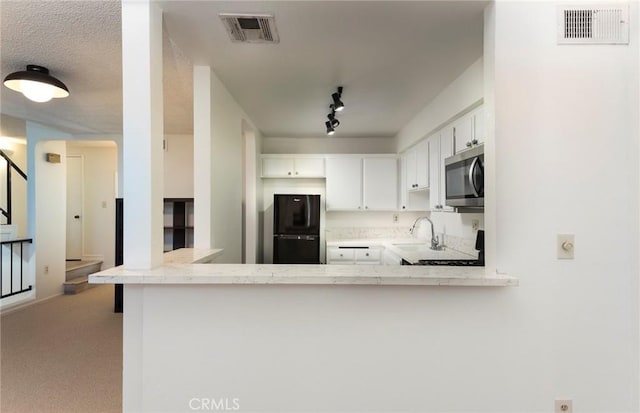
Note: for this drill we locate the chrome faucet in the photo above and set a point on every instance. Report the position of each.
(435, 244)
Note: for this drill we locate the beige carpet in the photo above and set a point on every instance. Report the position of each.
(62, 355)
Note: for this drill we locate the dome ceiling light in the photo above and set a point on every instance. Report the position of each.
(36, 84)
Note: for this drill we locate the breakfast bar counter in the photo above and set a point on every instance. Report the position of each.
(306, 275)
(292, 338)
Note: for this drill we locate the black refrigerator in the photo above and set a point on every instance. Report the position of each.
(296, 229)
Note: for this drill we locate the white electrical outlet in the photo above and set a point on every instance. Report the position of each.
(563, 406)
(566, 246)
(475, 224)
(395, 218)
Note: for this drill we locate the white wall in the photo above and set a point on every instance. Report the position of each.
(566, 161)
(328, 144)
(50, 219)
(100, 166)
(178, 166)
(464, 92)
(218, 180)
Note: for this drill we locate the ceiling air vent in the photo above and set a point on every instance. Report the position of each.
(250, 28)
(593, 24)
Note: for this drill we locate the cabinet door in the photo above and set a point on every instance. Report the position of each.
(344, 183)
(368, 256)
(380, 184)
(277, 167)
(411, 178)
(434, 172)
(404, 195)
(341, 255)
(479, 133)
(422, 164)
(463, 132)
(309, 167)
(446, 150)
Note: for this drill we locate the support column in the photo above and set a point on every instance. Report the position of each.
(142, 133)
(202, 156)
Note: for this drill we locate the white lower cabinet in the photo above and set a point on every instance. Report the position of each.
(354, 255)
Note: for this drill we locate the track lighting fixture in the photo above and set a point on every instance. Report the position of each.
(336, 106)
(337, 103)
(36, 84)
(330, 129)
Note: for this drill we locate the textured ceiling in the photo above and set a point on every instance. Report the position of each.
(80, 43)
(392, 57)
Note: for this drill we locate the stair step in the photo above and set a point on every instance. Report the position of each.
(77, 285)
(81, 269)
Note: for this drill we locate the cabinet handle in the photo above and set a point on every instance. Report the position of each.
(367, 254)
(288, 173)
(403, 207)
(296, 172)
(359, 207)
(366, 207)
(341, 255)
(474, 142)
(468, 144)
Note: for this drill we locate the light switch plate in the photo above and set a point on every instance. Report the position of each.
(566, 246)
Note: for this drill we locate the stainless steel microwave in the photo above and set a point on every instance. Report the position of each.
(464, 178)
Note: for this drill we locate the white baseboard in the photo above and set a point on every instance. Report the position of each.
(10, 308)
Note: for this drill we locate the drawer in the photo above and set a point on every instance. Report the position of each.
(342, 255)
(369, 254)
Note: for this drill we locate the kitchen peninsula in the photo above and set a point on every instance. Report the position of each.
(289, 337)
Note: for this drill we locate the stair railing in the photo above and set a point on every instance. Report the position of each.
(10, 166)
(15, 261)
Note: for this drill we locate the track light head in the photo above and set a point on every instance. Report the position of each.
(337, 103)
(330, 129)
(332, 118)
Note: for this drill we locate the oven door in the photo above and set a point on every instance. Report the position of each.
(464, 180)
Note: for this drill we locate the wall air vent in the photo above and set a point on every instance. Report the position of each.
(250, 28)
(589, 24)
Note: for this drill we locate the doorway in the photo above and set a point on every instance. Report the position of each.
(75, 199)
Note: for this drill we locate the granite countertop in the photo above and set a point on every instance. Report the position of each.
(260, 274)
(409, 249)
(191, 266)
(191, 256)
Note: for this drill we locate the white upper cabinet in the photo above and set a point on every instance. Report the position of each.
(463, 132)
(417, 167)
(380, 184)
(479, 133)
(276, 166)
(469, 130)
(362, 183)
(434, 171)
(441, 146)
(344, 183)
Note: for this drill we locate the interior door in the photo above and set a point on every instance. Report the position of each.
(75, 178)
